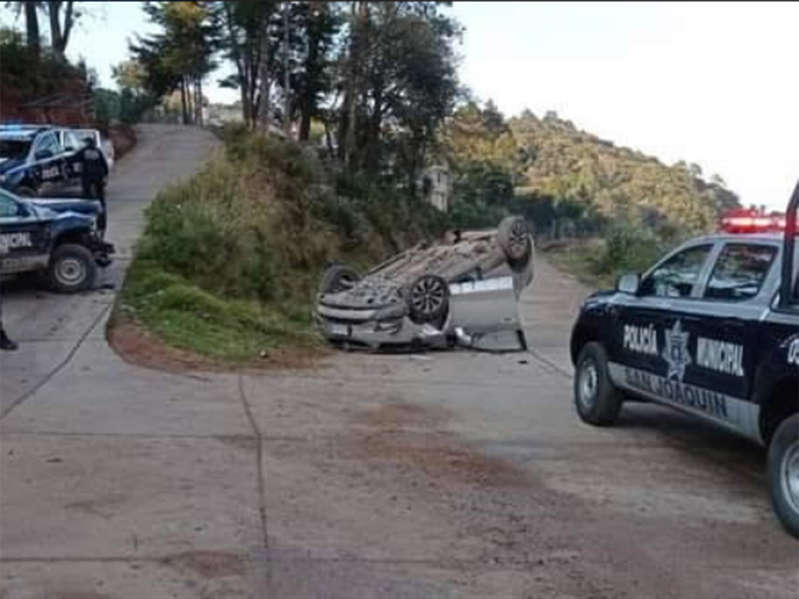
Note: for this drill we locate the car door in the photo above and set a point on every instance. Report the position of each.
(725, 345)
(48, 161)
(640, 321)
(24, 236)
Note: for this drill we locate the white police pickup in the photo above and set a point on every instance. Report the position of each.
(712, 330)
(61, 238)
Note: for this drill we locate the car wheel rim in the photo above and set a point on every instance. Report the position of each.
(589, 382)
(789, 476)
(427, 296)
(70, 271)
(517, 240)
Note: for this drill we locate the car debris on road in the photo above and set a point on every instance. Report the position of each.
(712, 330)
(463, 290)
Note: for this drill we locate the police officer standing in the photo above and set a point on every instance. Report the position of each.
(94, 170)
(5, 342)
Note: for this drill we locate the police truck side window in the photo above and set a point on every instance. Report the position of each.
(677, 276)
(739, 271)
(8, 207)
(48, 142)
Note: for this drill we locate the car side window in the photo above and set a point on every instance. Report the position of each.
(677, 276)
(8, 207)
(71, 141)
(740, 271)
(47, 142)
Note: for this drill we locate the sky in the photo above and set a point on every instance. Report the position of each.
(710, 83)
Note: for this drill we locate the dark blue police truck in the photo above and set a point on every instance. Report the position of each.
(37, 158)
(60, 238)
(712, 330)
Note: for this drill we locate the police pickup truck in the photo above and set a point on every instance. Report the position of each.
(60, 238)
(712, 330)
(36, 157)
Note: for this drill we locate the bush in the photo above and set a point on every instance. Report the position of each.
(627, 249)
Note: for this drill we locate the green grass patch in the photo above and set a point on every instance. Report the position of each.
(185, 316)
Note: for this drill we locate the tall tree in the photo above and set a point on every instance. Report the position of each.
(30, 10)
(247, 42)
(181, 55)
(32, 26)
(59, 32)
(399, 84)
(319, 24)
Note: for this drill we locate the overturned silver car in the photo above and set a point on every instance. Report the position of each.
(462, 290)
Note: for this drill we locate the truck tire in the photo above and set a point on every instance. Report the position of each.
(783, 473)
(513, 236)
(428, 300)
(72, 268)
(337, 278)
(596, 398)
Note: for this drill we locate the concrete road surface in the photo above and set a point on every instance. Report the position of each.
(439, 475)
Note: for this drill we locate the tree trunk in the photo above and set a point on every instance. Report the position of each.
(265, 101)
(286, 83)
(184, 108)
(245, 101)
(32, 27)
(189, 99)
(351, 99)
(308, 97)
(60, 37)
(200, 119)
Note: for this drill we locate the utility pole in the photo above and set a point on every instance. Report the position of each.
(286, 83)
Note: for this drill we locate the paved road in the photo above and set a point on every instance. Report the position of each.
(444, 475)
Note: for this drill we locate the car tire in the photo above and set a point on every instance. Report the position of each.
(72, 268)
(513, 236)
(26, 192)
(337, 278)
(596, 398)
(428, 300)
(783, 473)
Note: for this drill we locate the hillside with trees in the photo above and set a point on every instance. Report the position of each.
(553, 172)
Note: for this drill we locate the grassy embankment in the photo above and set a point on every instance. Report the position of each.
(229, 261)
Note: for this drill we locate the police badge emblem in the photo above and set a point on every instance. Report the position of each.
(676, 351)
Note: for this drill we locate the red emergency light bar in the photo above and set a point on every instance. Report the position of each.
(752, 221)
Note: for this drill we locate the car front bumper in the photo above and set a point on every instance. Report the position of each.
(102, 251)
(361, 328)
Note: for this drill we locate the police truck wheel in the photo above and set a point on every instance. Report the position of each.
(783, 473)
(72, 268)
(26, 192)
(597, 400)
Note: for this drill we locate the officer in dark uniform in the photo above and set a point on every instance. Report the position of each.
(5, 342)
(94, 170)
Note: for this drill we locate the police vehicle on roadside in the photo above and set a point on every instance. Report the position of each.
(61, 238)
(36, 158)
(712, 330)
